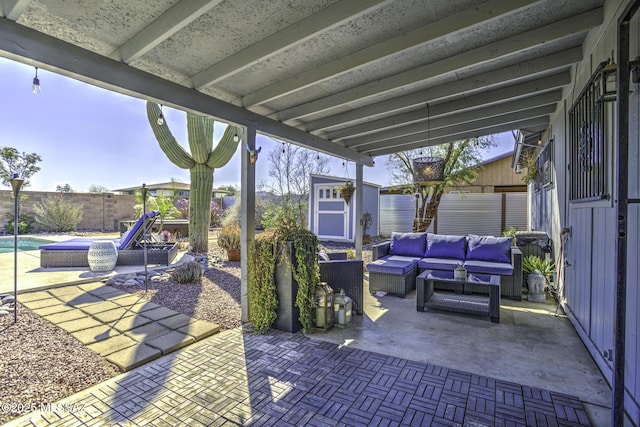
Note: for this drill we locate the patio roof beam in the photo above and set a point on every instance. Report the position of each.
(12, 9)
(429, 32)
(400, 142)
(322, 21)
(559, 60)
(560, 29)
(536, 123)
(173, 20)
(481, 99)
(432, 125)
(26, 45)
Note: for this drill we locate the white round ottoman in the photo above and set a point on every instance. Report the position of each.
(103, 255)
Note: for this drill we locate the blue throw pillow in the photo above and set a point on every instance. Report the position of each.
(489, 248)
(445, 246)
(409, 244)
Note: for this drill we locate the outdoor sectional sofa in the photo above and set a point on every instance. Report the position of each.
(342, 273)
(130, 246)
(396, 263)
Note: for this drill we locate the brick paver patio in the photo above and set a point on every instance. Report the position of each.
(236, 378)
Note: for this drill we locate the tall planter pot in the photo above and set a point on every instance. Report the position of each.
(288, 315)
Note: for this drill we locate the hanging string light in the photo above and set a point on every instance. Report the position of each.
(160, 117)
(283, 150)
(35, 88)
(318, 156)
(236, 138)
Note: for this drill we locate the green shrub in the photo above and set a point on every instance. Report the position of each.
(56, 214)
(24, 224)
(190, 272)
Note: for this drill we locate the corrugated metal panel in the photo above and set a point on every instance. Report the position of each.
(396, 213)
(470, 214)
(516, 213)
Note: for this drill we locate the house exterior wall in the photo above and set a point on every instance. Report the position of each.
(587, 255)
(497, 173)
(330, 216)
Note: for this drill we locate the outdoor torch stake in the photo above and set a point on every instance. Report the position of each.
(16, 183)
(144, 235)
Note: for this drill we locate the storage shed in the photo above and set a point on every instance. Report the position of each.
(331, 218)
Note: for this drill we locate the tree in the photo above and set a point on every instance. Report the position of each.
(232, 189)
(462, 159)
(290, 167)
(201, 163)
(64, 189)
(94, 188)
(13, 162)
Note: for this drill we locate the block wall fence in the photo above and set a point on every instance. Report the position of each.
(102, 211)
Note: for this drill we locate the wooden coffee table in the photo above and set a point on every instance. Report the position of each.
(461, 303)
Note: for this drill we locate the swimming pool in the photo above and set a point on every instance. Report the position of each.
(24, 244)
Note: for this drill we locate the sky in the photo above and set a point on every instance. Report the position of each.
(87, 136)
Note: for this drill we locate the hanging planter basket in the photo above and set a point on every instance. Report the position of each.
(427, 170)
(346, 191)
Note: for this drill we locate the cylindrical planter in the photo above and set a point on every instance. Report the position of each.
(102, 255)
(233, 254)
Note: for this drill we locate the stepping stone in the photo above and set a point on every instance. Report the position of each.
(106, 291)
(175, 322)
(159, 313)
(111, 345)
(99, 307)
(79, 300)
(95, 334)
(133, 357)
(91, 286)
(147, 332)
(42, 303)
(79, 324)
(65, 316)
(66, 290)
(52, 309)
(172, 341)
(129, 323)
(127, 300)
(200, 329)
(111, 316)
(142, 306)
(33, 296)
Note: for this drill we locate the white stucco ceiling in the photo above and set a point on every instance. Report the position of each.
(354, 78)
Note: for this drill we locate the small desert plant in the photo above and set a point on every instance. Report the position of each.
(229, 238)
(24, 224)
(546, 267)
(56, 214)
(190, 272)
(351, 254)
(510, 232)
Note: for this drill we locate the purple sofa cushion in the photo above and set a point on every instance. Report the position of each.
(445, 246)
(438, 264)
(489, 248)
(393, 264)
(489, 267)
(408, 244)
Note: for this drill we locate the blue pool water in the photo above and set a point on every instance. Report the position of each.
(24, 244)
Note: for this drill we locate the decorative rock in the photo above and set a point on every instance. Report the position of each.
(6, 299)
(3, 313)
(130, 282)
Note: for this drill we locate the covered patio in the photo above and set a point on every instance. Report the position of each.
(367, 78)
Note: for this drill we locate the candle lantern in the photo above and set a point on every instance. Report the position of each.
(323, 306)
(343, 307)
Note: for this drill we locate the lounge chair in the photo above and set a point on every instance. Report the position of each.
(73, 252)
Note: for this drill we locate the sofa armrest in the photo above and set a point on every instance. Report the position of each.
(516, 262)
(335, 256)
(345, 274)
(380, 250)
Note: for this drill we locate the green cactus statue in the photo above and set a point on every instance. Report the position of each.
(201, 163)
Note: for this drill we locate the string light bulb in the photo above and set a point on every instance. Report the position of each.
(160, 117)
(283, 151)
(35, 88)
(318, 156)
(235, 137)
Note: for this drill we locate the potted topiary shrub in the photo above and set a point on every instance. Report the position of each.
(283, 273)
(229, 240)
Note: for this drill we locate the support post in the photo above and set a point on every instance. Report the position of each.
(16, 184)
(247, 214)
(358, 211)
(144, 235)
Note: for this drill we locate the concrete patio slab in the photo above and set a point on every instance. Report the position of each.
(79, 300)
(159, 313)
(40, 303)
(147, 332)
(34, 296)
(128, 323)
(52, 309)
(200, 329)
(114, 315)
(99, 307)
(112, 344)
(95, 334)
(175, 322)
(65, 316)
(79, 324)
(126, 300)
(170, 342)
(66, 290)
(133, 357)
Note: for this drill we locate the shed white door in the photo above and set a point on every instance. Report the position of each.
(331, 219)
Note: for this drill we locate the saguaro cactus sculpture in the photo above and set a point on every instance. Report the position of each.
(201, 163)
